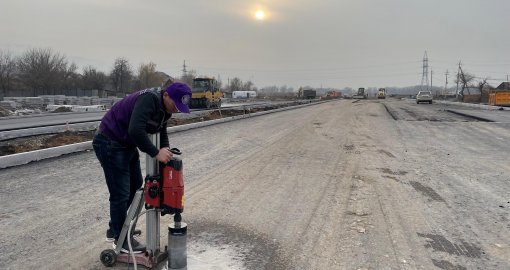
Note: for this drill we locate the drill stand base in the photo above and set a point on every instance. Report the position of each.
(143, 259)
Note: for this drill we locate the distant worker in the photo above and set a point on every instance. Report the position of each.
(123, 129)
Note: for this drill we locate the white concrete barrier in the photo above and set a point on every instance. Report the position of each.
(7, 135)
(24, 158)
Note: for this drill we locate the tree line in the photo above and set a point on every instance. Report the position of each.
(45, 72)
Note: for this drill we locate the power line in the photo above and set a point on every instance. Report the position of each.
(367, 76)
(302, 70)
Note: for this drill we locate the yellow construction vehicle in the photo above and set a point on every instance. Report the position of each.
(205, 93)
(381, 93)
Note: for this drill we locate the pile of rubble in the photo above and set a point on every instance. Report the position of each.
(4, 112)
(21, 145)
(41, 102)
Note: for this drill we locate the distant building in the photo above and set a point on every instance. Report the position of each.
(244, 94)
(504, 86)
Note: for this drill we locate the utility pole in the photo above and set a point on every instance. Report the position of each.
(445, 84)
(458, 78)
(184, 71)
(431, 72)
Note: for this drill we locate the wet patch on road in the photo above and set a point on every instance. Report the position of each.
(446, 265)
(353, 213)
(349, 147)
(388, 171)
(387, 153)
(427, 191)
(440, 243)
(416, 117)
(413, 114)
(230, 247)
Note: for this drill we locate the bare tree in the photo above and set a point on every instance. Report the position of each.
(281, 92)
(41, 70)
(7, 71)
(236, 84)
(93, 79)
(147, 76)
(465, 80)
(70, 79)
(300, 92)
(482, 85)
(285, 89)
(219, 84)
(269, 90)
(247, 86)
(121, 75)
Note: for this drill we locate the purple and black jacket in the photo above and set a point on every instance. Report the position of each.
(132, 118)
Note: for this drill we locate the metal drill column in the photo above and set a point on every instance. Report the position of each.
(153, 217)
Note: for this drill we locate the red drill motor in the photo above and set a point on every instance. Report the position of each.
(166, 190)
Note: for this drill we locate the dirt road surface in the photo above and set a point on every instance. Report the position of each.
(340, 185)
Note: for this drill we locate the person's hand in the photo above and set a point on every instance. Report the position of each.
(164, 155)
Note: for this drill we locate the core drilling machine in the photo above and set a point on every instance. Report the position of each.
(162, 194)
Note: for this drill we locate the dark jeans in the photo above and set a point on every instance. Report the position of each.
(121, 166)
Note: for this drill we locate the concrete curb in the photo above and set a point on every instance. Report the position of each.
(472, 105)
(6, 135)
(43, 114)
(27, 157)
(470, 116)
(24, 158)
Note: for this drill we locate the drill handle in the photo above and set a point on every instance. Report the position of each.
(175, 151)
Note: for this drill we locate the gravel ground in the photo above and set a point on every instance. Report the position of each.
(341, 185)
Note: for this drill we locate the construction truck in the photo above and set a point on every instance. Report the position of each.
(499, 97)
(381, 93)
(205, 93)
(309, 94)
(333, 95)
(361, 94)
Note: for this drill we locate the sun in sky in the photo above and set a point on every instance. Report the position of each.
(260, 15)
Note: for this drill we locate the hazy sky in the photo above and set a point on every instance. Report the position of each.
(329, 43)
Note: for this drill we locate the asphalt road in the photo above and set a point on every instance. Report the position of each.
(339, 185)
